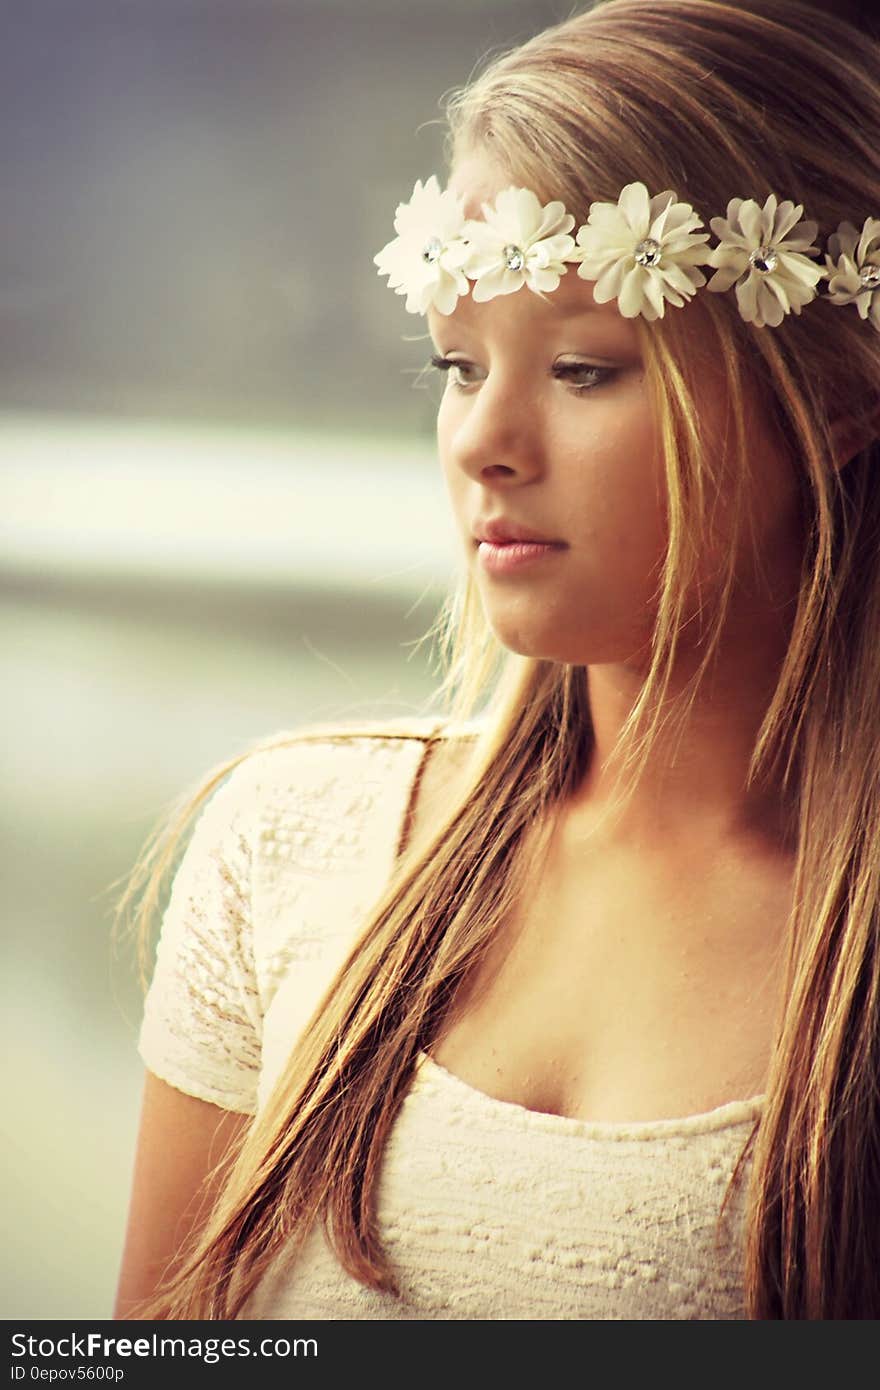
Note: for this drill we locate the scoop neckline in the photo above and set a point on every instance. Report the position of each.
(728, 1115)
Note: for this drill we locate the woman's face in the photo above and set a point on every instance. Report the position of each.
(546, 423)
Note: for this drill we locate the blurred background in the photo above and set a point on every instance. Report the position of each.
(221, 510)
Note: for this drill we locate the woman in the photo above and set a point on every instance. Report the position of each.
(571, 1008)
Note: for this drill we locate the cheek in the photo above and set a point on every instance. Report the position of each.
(611, 480)
(446, 424)
(460, 487)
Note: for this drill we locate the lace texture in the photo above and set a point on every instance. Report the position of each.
(488, 1210)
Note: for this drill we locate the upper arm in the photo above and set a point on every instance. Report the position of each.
(183, 1151)
(200, 1040)
(202, 1032)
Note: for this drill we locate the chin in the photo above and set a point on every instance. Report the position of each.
(540, 644)
(566, 648)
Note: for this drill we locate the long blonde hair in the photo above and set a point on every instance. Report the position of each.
(713, 100)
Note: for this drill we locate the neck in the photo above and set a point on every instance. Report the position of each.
(693, 789)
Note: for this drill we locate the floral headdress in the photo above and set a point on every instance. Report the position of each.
(645, 251)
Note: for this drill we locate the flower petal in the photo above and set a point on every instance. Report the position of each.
(556, 248)
(607, 287)
(844, 284)
(455, 253)
(555, 221)
(480, 261)
(482, 236)
(775, 286)
(635, 206)
(652, 288)
(594, 267)
(605, 214)
(751, 220)
(724, 277)
(514, 214)
(870, 235)
(690, 244)
(681, 217)
(794, 266)
(495, 282)
(843, 241)
(770, 310)
(728, 235)
(659, 209)
(448, 292)
(542, 278)
(630, 298)
(680, 279)
(747, 297)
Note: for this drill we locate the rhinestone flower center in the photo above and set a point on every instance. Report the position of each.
(869, 277)
(514, 257)
(648, 252)
(764, 259)
(431, 250)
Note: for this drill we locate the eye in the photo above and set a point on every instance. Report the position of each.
(456, 370)
(583, 376)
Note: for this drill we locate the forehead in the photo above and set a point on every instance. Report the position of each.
(570, 301)
(477, 179)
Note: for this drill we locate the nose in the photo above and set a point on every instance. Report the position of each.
(494, 433)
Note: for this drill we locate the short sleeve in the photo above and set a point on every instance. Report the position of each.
(202, 1024)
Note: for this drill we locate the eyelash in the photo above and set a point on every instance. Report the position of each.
(563, 373)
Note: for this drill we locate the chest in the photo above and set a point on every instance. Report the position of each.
(626, 989)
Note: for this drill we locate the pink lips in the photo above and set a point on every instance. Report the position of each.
(499, 531)
(505, 545)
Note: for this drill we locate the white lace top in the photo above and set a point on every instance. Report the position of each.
(488, 1210)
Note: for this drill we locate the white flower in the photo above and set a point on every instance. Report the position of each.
(766, 252)
(853, 266)
(520, 243)
(642, 251)
(424, 260)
